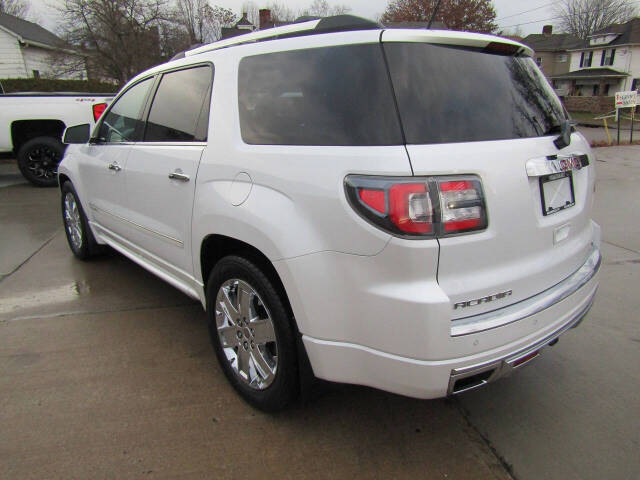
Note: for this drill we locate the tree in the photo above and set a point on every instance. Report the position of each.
(202, 23)
(17, 8)
(120, 37)
(251, 9)
(584, 17)
(322, 8)
(281, 13)
(467, 15)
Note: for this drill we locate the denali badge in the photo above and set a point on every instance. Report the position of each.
(478, 301)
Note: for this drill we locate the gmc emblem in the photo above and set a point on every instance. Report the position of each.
(478, 301)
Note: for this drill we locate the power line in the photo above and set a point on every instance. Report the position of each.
(526, 11)
(548, 19)
(528, 23)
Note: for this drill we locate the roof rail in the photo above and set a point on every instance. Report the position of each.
(336, 23)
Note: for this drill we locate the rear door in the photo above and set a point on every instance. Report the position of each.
(162, 168)
(469, 111)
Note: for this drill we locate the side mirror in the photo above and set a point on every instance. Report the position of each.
(76, 134)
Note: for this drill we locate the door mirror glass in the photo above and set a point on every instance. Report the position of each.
(77, 134)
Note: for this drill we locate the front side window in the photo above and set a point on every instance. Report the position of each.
(122, 122)
(452, 94)
(585, 59)
(337, 95)
(180, 109)
(608, 56)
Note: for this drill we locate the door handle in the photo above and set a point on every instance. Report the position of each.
(114, 166)
(178, 175)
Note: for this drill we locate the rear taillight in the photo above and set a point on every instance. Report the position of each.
(98, 109)
(419, 206)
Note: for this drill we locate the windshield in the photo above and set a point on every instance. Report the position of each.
(452, 94)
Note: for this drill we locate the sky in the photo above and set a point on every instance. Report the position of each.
(527, 15)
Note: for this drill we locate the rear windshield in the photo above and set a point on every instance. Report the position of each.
(322, 96)
(448, 94)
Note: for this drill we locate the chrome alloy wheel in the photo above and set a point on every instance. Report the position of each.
(246, 333)
(72, 220)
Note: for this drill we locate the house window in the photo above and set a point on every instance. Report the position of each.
(607, 57)
(36, 73)
(606, 89)
(539, 61)
(636, 84)
(585, 59)
(561, 58)
(596, 90)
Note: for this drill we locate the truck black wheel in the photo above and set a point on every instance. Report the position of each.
(38, 160)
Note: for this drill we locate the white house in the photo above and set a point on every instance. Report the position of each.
(27, 50)
(608, 62)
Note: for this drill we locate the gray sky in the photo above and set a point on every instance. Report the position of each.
(511, 9)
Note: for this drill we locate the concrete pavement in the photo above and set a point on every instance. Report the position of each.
(107, 372)
(574, 413)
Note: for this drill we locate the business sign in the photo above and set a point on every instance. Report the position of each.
(626, 99)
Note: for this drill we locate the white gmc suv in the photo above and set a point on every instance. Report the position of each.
(405, 209)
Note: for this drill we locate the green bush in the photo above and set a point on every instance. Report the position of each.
(11, 85)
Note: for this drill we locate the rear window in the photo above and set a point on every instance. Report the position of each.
(448, 94)
(180, 109)
(323, 96)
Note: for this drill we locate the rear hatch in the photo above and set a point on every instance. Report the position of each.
(482, 108)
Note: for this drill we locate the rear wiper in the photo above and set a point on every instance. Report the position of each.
(565, 133)
(553, 129)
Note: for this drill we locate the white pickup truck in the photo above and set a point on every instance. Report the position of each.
(31, 127)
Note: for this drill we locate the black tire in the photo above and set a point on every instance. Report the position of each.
(38, 160)
(88, 247)
(284, 388)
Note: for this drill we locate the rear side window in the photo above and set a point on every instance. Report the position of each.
(323, 96)
(448, 94)
(122, 122)
(180, 109)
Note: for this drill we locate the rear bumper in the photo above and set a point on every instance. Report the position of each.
(518, 342)
(474, 376)
(529, 306)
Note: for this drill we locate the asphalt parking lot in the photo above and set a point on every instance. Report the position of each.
(107, 372)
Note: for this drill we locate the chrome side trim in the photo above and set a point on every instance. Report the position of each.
(505, 365)
(175, 241)
(170, 274)
(532, 305)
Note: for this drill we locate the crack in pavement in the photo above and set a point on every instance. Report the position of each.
(46, 242)
(501, 460)
(620, 246)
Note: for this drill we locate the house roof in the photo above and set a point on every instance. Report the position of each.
(592, 73)
(266, 25)
(229, 32)
(540, 42)
(244, 20)
(628, 32)
(29, 31)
